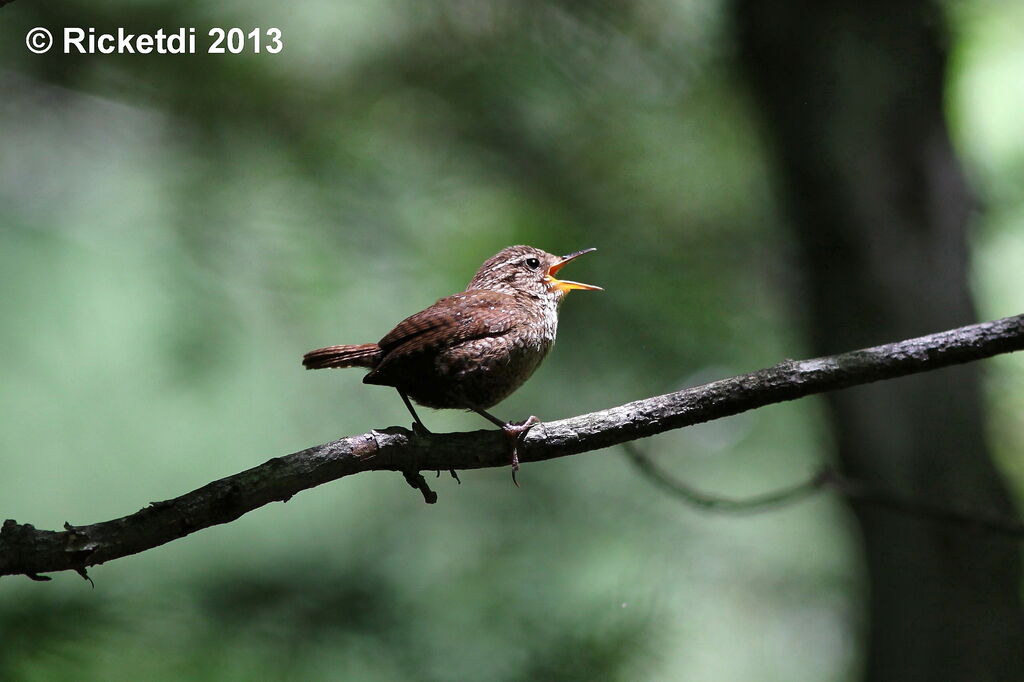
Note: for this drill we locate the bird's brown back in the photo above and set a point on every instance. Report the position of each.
(426, 354)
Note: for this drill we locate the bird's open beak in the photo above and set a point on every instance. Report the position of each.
(564, 284)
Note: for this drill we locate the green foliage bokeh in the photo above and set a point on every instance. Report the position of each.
(176, 231)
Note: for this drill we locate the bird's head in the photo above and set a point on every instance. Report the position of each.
(524, 270)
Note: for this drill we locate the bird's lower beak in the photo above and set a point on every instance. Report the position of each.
(565, 285)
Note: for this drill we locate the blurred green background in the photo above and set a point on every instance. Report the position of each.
(176, 231)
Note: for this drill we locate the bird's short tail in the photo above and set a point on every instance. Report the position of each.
(362, 355)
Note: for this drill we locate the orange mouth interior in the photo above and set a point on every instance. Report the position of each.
(566, 285)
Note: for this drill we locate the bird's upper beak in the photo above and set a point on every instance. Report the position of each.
(565, 285)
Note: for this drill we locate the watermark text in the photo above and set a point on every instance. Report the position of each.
(77, 40)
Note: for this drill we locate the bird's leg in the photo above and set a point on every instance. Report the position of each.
(417, 426)
(515, 432)
(420, 429)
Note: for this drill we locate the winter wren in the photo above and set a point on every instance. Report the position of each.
(472, 350)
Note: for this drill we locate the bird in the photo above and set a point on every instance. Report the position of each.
(473, 349)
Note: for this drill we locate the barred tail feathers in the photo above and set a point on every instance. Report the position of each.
(361, 355)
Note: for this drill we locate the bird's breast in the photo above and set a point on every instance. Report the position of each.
(481, 372)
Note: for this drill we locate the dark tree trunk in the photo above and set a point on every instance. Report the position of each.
(852, 96)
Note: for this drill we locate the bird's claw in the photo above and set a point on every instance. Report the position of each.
(515, 432)
(452, 472)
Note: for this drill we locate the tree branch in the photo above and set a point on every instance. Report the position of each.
(26, 550)
(716, 503)
(825, 479)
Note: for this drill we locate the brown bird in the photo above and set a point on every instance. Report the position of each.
(472, 350)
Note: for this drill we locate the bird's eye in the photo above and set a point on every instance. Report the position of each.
(532, 263)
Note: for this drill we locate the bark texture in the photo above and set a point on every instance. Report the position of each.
(29, 551)
(852, 94)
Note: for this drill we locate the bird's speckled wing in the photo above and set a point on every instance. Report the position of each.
(450, 321)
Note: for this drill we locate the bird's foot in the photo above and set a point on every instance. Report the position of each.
(421, 431)
(454, 474)
(515, 432)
